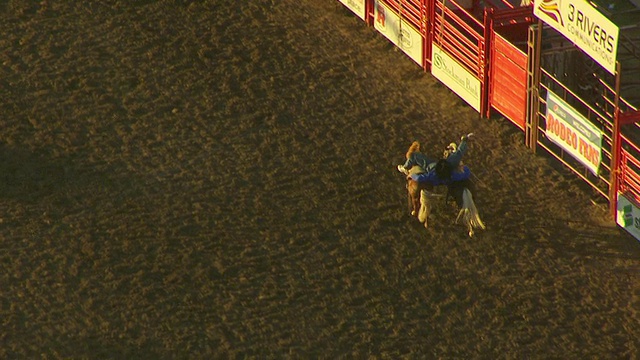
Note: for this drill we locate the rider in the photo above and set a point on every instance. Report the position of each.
(415, 158)
(441, 172)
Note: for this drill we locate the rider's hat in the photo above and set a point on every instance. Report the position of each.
(452, 147)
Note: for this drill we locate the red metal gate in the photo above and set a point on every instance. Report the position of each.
(548, 125)
(629, 178)
(508, 85)
(508, 63)
(411, 31)
(627, 136)
(459, 51)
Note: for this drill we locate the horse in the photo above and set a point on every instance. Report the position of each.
(421, 195)
(462, 192)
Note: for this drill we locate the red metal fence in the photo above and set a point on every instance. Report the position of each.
(460, 34)
(566, 150)
(508, 62)
(508, 85)
(405, 23)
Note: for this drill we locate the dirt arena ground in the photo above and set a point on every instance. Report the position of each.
(216, 179)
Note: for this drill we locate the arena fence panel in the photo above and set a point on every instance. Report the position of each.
(574, 132)
(625, 190)
(508, 63)
(359, 7)
(627, 211)
(405, 24)
(458, 53)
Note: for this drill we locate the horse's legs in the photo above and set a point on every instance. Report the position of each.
(416, 206)
(413, 188)
(410, 197)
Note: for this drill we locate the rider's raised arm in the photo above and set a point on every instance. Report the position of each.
(455, 157)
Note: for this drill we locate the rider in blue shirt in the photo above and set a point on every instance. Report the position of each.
(415, 158)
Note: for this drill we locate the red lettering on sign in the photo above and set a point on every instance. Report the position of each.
(589, 152)
(563, 132)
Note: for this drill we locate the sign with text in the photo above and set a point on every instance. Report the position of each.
(455, 76)
(356, 6)
(628, 216)
(398, 31)
(585, 26)
(574, 133)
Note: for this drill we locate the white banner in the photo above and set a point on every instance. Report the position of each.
(585, 26)
(573, 132)
(628, 216)
(357, 6)
(401, 34)
(455, 76)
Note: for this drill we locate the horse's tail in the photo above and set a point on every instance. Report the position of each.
(469, 213)
(423, 213)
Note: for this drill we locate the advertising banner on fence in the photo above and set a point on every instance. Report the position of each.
(455, 76)
(574, 133)
(403, 35)
(585, 26)
(357, 6)
(628, 216)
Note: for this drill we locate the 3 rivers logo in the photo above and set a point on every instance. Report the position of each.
(551, 8)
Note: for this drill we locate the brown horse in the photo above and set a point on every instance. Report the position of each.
(419, 193)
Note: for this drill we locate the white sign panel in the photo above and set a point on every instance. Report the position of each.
(399, 32)
(357, 6)
(574, 133)
(585, 26)
(628, 216)
(456, 77)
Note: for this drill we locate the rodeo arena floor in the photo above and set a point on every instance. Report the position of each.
(217, 179)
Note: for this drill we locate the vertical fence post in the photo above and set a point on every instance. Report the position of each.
(431, 15)
(485, 108)
(615, 148)
(425, 24)
(369, 12)
(533, 83)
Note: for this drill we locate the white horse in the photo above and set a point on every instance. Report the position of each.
(467, 214)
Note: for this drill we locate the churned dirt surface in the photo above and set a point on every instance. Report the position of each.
(216, 179)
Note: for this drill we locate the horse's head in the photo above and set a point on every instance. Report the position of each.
(415, 147)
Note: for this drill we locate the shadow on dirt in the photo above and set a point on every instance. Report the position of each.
(28, 176)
